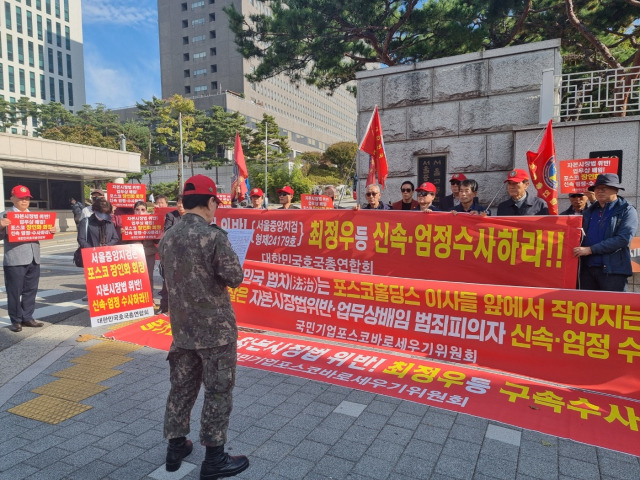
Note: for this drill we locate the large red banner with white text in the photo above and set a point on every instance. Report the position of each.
(585, 339)
(142, 227)
(117, 284)
(30, 226)
(527, 251)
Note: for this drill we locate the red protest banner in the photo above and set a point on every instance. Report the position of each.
(577, 175)
(315, 202)
(30, 226)
(126, 194)
(584, 339)
(528, 251)
(142, 227)
(225, 200)
(117, 284)
(162, 212)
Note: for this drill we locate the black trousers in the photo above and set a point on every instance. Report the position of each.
(594, 278)
(21, 282)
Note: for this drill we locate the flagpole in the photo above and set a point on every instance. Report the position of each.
(266, 150)
(180, 157)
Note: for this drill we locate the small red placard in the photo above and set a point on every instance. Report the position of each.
(126, 194)
(30, 226)
(225, 199)
(142, 227)
(577, 175)
(315, 202)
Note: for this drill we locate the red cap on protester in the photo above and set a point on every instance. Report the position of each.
(458, 177)
(286, 189)
(426, 187)
(517, 175)
(203, 185)
(256, 192)
(20, 191)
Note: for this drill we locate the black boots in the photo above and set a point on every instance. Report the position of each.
(178, 449)
(218, 464)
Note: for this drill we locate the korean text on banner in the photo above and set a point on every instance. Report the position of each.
(142, 227)
(126, 194)
(117, 284)
(576, 176)
(528, 251)
(30, 226)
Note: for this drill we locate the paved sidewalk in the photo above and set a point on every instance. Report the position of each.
(289, 427)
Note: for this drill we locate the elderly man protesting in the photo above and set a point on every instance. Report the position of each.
(609, 225)
(521, 203)
(373, 199)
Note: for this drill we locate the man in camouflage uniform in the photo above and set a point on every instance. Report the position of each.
(199, 265)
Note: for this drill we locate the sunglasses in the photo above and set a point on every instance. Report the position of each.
(283, 194)
(406, 190)
(371, 194)
(424, 194)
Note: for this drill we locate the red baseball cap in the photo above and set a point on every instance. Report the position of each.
(286, 189)
(256, 192)
(458, 177)
(426, 187)
(203, 185)
(517, 175)
(20, 191)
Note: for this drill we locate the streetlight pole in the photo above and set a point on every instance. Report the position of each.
(180, 157)
(266, 149)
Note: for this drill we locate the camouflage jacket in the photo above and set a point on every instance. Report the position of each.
(199, 265)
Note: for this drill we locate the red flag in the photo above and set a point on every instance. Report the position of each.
(542, 166)
(239, 184)
(373, 144)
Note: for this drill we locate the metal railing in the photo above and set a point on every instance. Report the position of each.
(598, 94)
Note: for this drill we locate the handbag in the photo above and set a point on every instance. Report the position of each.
(77, 255)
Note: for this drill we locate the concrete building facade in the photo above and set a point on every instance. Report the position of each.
(41, 54)
(199, 60)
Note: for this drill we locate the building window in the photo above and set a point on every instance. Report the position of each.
(184, 7)
(185, 40)
(187, 73)
(212, 17)
(19, 19)
(7, 15)
(41, 57)
(12, 80)
(49, 32)
(213, 52)
(202, 71)
(32, 60)
(58, 35)
(47, 6)
(43, 93)
(32, 84)
(61, 89)
(197, 21)
(39, 4)
(57, 3)
(200, 88)
(195, 5)
(60, 70)
(214, 68)
(69, 74)
(23, 87)
(39, 26)
(20, 51)
(66, 12)
(50, 55)
(10, 47)
(70, 92)
(198, 38)
(1, 78)
(185, 23)
(67, 38)
(185, 57)
(52, 89)
(214, 86)
(29, 23)
(187, 90)
(212, 34)
(199, 55)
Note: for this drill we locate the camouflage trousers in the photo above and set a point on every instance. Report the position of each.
(215, 368)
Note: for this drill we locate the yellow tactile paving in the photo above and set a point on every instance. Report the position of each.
(72, 390)
(104, 360)
(49, 409)
(87, 373)
(114, 348)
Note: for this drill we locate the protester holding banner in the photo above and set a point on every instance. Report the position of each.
(407, 201)
(578, 204)
(426, 192)
(372, 193)
(21, 265)
(468, 195)
(161, 201)
(609, 227)
(257, 198)
(452, 200)
(150, 246)
(199, 266)
(521, 203)
(88, 210)
(285, 195)
(98, 230)
(330, 191)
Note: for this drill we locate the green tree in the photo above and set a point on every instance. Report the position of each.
(279, 177)
(341, 155)
(278, 145)
(52, 115)
(149, 114)
(100, 118)
(219, 133)
(7, 115)
(83, 135)
(170, 189)
(137, 135)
